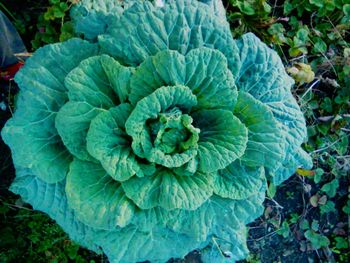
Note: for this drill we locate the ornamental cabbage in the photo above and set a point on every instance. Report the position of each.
(155, 135)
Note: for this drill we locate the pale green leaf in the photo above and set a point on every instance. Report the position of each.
(222, 140)
(266, 137)
(96, 198)
(108, 142)
(170, 191)
(238, 182)
(203, 70)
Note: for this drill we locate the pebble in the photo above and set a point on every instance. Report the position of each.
(3, 106)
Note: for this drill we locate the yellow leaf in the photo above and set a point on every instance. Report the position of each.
(303, 172)
(301, 73)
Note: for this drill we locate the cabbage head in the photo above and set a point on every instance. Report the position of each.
(155, 135)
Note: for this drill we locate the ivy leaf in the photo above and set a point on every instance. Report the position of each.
(320, 46)
(346, 208)
(341, 243)
(246, 8)
(317, 240)
(346, 9)
(318, 175)
(331, 188)
(284, 230)
(327, 208)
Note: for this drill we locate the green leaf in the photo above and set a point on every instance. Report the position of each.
(108, 142)
(31, 132)
(72, 123)
(318, 175)
(63, 6)
(262, 75)
(246, 8)
(331, 188)
(327, 105)
(304, 224)
(58, 13)
(320, 46)
(91, 18)
(97, 200)
(138, 125)
(266, 137)
(303, 35)
(315, 225)
(167, 190)
(318, 3)
(341, 243)
(346, 208)
(238, 182)
(327, 207)
(97, 84)
(203, 70)
(223, 139)
(346, 9)
(277, 32)
(288, 8)
(271, 191)
(43, 197)
(101, 81)
(317, 240)
(284, 230)
(342, 146)
(144, 30)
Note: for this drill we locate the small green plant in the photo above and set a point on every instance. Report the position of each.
(54, 25)
(29, 235)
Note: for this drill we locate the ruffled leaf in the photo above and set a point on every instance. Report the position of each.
(31, 132)
(266, 138)
(72, 123)
(132, 245)
(237, 181)
(203, 70)
(149, 108)
(219, 214)
(92, 17)
(170, 191)
(181, 25)
(97, 200)
(261, 73)
(97, 84)
(222, 140)
(108, 142)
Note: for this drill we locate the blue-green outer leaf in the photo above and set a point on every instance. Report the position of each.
(180, 25)
(31, 132)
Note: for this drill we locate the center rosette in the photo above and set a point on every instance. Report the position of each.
(173, 132)
(161, 130)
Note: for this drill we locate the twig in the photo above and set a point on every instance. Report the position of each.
(310, 88)
(329, 118)
(275, 202)
(9, 98)
(325, 148)
(297, 58)
(267, 235)
(24, 54)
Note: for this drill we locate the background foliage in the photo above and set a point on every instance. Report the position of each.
(307, 218)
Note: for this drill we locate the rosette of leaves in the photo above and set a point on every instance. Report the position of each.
(156, 138)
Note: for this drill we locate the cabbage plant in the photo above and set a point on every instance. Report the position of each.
(155, 135)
